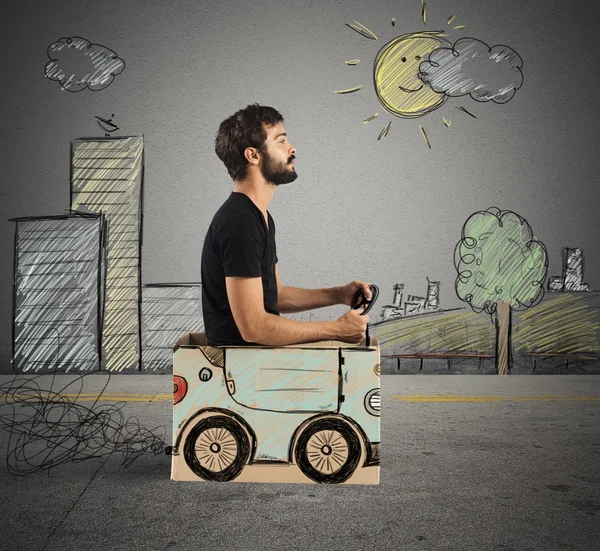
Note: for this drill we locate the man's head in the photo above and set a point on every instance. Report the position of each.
(254, 137)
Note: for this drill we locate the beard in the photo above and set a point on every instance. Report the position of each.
(277, 172)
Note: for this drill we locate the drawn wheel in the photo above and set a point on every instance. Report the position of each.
(328, 451)
(217, 449)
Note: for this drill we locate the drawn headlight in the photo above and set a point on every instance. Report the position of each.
(179, 389)
(373, 401)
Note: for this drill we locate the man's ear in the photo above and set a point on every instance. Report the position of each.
(252, 155)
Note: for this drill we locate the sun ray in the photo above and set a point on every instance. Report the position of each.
(425, 136)
(451, 18)
(353, 62)
(461, 108)
(385, 131)
(393, 21)
(459, 27)
(447, 123)
(349, 90)
(424, 12)
(362, 30)
(366, 121)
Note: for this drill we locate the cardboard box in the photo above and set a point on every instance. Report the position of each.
(305, 413)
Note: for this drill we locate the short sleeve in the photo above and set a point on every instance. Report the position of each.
(240, 245)
(272, 226)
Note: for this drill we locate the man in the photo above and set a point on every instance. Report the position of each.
(242, 293)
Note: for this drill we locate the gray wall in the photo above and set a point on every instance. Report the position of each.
(386, 211)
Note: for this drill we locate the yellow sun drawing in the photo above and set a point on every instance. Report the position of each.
(396, 80)
(396, 75)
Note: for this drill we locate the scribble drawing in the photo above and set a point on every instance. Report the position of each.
(396, 75)
(168, 311)
(315, 406)
(57, 310)
(471, 67)
(563, 330)
(415, 73)
(51, 426)
(77, 64)
(560, 332)
(107, 125)
(107, 177)
(413, 305)
(572, 272)
(501, 268)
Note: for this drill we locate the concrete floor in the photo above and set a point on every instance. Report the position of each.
(468, 462)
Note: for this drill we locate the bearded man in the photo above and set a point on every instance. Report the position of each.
(242, 293)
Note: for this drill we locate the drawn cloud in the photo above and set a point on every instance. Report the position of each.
(472, 67)
(77, 64)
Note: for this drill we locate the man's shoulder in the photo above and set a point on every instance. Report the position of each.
(235, 215)
(237, 204)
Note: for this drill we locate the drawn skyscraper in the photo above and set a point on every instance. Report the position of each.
(573, 270)
(169, 310)
(107, 176)
(57, 315)
(394, 310)
(433, 295)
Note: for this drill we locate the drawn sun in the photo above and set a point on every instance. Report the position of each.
(396, 74)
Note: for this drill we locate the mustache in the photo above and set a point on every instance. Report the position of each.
(292, 158)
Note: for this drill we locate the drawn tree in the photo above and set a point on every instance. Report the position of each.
(501, 268)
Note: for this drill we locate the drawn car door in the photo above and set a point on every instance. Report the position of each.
(286, 380)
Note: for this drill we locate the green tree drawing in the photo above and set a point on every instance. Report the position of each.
(501, 268)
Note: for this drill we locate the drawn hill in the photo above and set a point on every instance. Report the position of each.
(560, 334)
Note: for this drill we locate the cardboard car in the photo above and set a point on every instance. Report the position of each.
(300, 413)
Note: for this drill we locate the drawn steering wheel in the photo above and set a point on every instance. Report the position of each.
(359, 300)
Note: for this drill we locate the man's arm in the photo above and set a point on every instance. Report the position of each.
(245, 295)
(294, 299)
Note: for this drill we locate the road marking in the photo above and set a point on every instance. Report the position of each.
(87, 397)
(131, 397)
(457, 398)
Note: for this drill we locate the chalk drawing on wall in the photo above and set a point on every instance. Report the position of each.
(572, 272)
(107, 125)
(107, 176)
(501, 270)
(53, 422)
(416, 73)
(169, 310)
(76, 64)
(57, 303)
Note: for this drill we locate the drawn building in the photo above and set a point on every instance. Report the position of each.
(433, 295)
(107, 176)
(57, 302)
(573, 270)
(413, 305)
(168, 312)
(572, 276)
(394, 310)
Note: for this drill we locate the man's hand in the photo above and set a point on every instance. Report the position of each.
(352, 326)
(347, 292)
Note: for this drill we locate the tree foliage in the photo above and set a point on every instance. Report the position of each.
(498, 260)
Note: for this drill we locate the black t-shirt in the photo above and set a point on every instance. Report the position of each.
(238, 243)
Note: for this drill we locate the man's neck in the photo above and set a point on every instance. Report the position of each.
(257, 190)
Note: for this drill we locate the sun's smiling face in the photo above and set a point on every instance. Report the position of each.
(396, 75)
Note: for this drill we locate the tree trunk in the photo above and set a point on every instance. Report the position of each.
(503, 338)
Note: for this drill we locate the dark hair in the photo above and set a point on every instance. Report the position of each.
(243, 129)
